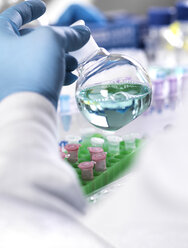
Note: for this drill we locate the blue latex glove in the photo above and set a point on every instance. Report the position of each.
(36, 60)
(75, 12)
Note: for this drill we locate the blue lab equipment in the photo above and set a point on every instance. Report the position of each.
(182, 18)
(120, 32)
(161, 16)
(66, 121)
(65, 111)
(64, 102)
(182, 10)
(114, 30)
(62, 144)
(75, 12)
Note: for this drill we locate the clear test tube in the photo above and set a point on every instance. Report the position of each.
(87, 170)
(137, 136)
(114, 144)
(64, 104)
(173, 92)
(73, 139)
(158, 95)
(72, 150)
(129, 140)
(65, 111)
(173, 86)
(97, 142)
(184, 85)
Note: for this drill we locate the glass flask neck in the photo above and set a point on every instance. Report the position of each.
(92, 61)
(88, 53)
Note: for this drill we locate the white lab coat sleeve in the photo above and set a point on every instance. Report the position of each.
(40, 196)
(30, 164)
(150, 208)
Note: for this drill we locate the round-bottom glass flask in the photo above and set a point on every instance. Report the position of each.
(112, 89)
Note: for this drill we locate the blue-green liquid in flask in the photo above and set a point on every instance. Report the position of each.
(112, 106)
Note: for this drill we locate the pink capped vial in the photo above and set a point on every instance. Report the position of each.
(72, 150)
(64, 155)
(60, 149)
(95, 150)
(87, 170)
(100, 160)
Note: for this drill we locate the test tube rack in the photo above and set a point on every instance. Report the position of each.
(116, 165)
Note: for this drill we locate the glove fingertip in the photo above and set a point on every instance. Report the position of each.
(71, 63)
(70, 79)
(84, 31)
(39, 7)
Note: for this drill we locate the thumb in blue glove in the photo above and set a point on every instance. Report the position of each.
(38, 60)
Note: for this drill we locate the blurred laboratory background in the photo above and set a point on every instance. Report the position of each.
(153, 32)
(133, 6)
(150, 41)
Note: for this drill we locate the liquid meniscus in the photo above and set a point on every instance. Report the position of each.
(111, 106)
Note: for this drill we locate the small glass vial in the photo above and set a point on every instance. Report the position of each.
(87, 170)
(73, 139)
(114, 144)
(72, 150)
(100, 161)
(173, 96)
(159, 95)
(97, 142)
(130, 143)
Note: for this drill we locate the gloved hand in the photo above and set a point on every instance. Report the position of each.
(36, 60)
(75, 12)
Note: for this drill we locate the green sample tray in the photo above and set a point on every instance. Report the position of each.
(116, 165)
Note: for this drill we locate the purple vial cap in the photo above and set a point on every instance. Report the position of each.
(99, 156)
(173, 85)
(86, 165)
(72, 147)
(95, 149)
(158, 87)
